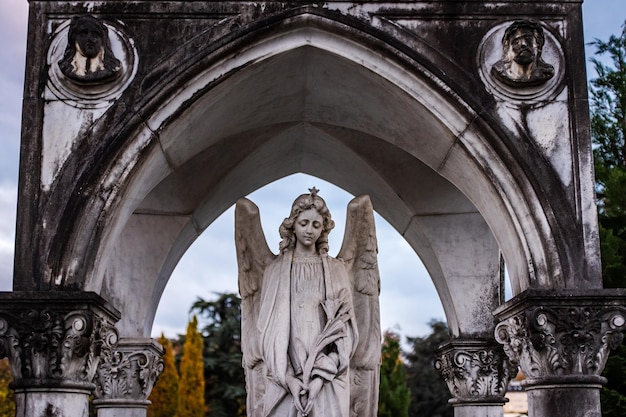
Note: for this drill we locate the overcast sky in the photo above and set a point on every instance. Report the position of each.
(408, 298)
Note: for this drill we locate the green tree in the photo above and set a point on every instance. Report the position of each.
(429, 392)
(608, 128)
(7, 396)
(164, 395)
(191, 386)
(225, 392)
(395, 395)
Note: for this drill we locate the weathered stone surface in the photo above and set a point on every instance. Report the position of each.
(175, 51)
(561, 334)
(561, 340)
(52, 339)
(476, 371)
(213, 100)
(126, 377)
(55, 342)
(310, 323)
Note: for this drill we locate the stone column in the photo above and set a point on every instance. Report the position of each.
(477, 372)
(55, 342)
(561, 340)
(125, 378)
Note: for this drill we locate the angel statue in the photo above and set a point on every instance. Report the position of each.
(310, 323)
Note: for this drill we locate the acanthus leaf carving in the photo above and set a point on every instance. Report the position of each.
(128, 372)
(53, 344)
(475, 370)
(568, 340)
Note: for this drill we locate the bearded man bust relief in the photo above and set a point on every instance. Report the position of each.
(521, 64)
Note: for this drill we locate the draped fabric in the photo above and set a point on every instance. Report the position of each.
(307, 329)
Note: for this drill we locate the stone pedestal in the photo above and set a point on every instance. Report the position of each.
(126, 377)
(477, 372)
(55, 342)
(561, 340)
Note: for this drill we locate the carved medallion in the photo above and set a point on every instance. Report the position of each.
(90, 62)
(521, 60)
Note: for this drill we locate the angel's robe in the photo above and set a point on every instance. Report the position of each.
(291, 319)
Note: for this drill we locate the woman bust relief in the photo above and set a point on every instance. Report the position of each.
(88, 57)
(307, 350)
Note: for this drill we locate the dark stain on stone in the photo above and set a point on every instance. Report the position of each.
(51, 411)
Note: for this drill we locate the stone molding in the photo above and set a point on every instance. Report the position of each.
(129, 372)
(561, 337)
(476, 371)
(55, 339)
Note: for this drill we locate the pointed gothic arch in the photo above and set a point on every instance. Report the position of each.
(359, 94)
(268, 110)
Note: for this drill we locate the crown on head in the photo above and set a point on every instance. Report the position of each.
(314, 191)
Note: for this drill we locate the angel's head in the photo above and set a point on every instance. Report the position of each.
(303, 204)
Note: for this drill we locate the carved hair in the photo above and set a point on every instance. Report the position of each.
(303, 203)
(111, 63)
(531, 25)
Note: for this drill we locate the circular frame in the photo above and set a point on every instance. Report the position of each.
(490, 52)
(96, 94)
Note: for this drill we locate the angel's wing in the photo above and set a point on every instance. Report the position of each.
(253, 256)
(359, 251)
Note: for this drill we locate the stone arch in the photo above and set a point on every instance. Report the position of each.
(462, 153)
(391, 99)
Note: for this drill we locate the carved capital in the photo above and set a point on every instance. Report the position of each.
(129, 372)
(475, 370)
(561, 337)
(53, 339)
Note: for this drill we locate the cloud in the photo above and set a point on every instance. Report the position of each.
(13, 24)
(408, 297)
(8, 203)
(13, 27)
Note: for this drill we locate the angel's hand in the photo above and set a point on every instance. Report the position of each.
(315, 386)
(297, 390)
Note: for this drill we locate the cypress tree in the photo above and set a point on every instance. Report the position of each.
(395, 395)
(191, 386)
(164, 395)
(225, 390)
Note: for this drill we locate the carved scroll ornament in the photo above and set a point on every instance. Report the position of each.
(128, 374)
(474, 371)
(559, 341)
(44, 345)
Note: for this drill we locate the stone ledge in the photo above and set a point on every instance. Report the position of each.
(11, 301)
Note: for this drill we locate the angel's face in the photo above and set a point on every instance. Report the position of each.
(308, 227)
